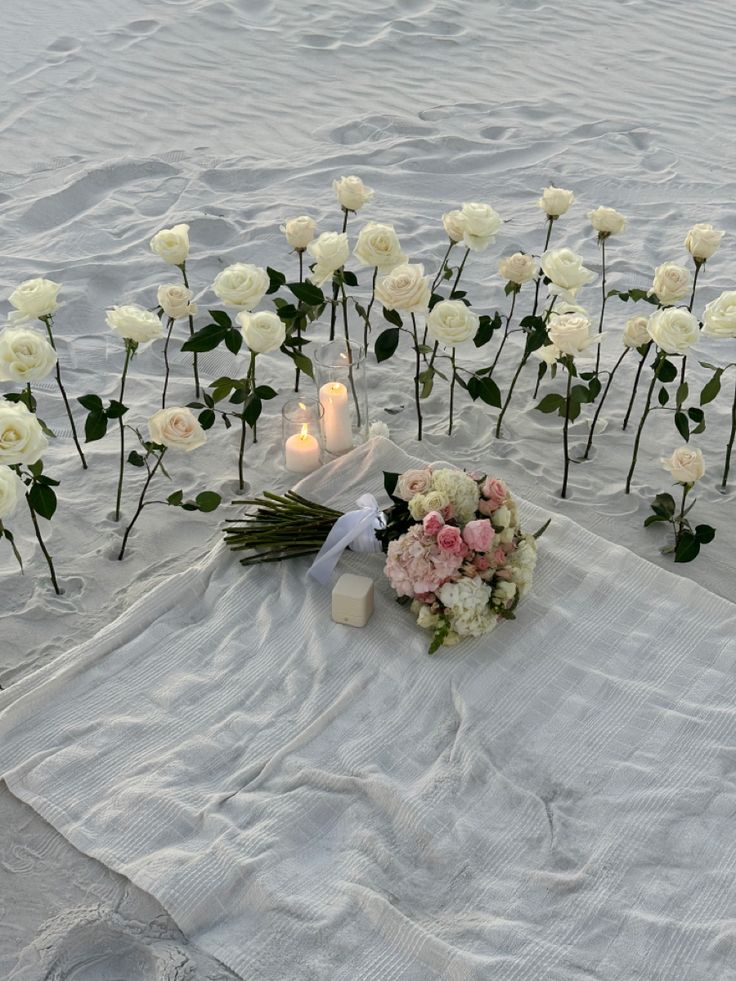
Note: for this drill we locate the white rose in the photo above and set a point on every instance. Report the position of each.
(351, 192)
(503, 592)
(378, 245)
(673, 329)
(172, 244)
(607, 221)
(25, 355)
(453, 224)
(241, 285)
(671, 283)
(565, 268)
(21, 438)
(11, 491)
(330, 251)
(719, 318)
(176, 429)
(134, 323)
(518, 268)
(480, 223)
(570, 332)
(404, 288)
(175, 300)
(262, 332)
(562, 305)
(702, 241)
(549, 353)
(555, 201)
(36, 298)
(636, 332)
(686, 465)
(299, 231)
(451, 323)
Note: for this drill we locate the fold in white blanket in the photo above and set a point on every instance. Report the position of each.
(312, 801)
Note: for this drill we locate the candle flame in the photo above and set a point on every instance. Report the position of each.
(305, 432)
(303, 407)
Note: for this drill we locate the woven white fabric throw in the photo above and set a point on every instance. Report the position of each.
(314, 801)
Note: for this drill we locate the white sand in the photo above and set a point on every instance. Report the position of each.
(120, 119)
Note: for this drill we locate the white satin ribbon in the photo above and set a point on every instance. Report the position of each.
(355, 530)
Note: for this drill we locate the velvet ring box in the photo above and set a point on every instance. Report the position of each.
(352, 600)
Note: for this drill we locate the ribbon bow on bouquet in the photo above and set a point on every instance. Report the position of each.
(355, 530)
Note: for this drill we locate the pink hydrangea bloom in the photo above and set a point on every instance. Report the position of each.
(415, 564)
(449, 539)
(495, 492)
(478, 534)
(432, 523)
(498, 555)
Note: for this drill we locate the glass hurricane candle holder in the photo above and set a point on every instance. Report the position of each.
(301, 426)
(339, 369)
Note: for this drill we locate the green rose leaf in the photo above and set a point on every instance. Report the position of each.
(276, 280)
(43, 500)
(302, 362)
(308, 293)
(221, 318)
(393, 317)
(252, 410)
(266, 392)
(663, 396)
(667, 371)
(682, 425)
(207, 501)
(93, 403)
(116, 410)
(687, 547)
(552, 403)
(233, 341)
(175, 499)
(704, 534)
(664, 504)
(386, 343)
(208, 338)
(207, 418)
(711, 389)
(135, 459)
(349, 278)
(95, 426)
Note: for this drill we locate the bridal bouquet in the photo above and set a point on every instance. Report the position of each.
(455, 549)
(464, 563)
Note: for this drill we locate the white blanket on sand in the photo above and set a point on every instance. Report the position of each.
(314, 801)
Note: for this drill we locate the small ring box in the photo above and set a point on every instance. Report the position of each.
(352, 600)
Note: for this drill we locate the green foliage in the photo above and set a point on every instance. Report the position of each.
(711, 388)
(42, 499)
(484, 389)
(308, 293)
(439, 636)
(666, 372)
(98, 415)
(486, 328)
(393, 317)
(276, 280)
(386, 343)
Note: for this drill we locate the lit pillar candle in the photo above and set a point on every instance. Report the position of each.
(301, 452)
(337, 425)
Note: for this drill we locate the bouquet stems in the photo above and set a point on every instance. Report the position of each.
(48, 322)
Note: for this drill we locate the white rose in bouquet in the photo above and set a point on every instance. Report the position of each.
(134, 323)
(673, 329)
(453, 224)
(172, 244)
(352, 193)
(299, 231)
(241, 285)
(451, 323)
(378, 245)
(21, 438)
(262, 332)
(480, 223)
(566, 270)
(555, 201)
(36, 298)
(636, 332)
(607, 221)
(25, 355)
(671, 283)
(570, 333)
(702, 241)
(330, 251)
(719, 318)
(11, 491)
(686, 464)
(176, 301)
(519, 268)
(404, 288)
(176, 429)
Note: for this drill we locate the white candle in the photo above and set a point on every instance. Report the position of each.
(301, 452)
(337, 425)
